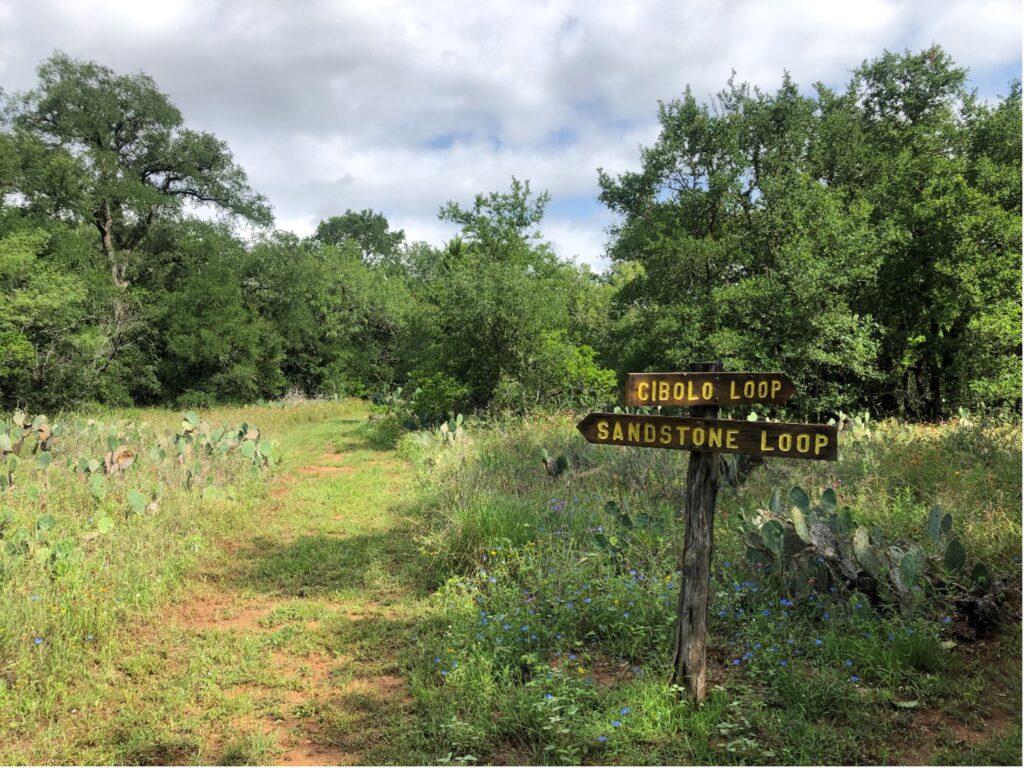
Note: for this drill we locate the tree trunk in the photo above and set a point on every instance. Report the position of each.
(702, 478)
(104, 220)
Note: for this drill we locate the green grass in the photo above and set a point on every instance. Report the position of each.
(361, 604)
(829, 679)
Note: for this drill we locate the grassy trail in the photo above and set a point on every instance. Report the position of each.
(284, 649)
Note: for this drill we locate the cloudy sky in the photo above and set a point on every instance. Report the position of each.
(400, 106)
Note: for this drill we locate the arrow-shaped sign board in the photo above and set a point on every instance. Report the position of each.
(754, 438)
(716, 388)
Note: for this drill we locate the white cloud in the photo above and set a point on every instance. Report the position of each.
(400, 106)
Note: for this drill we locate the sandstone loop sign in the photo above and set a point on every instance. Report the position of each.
(754, 438)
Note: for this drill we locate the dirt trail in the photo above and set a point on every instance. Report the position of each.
(298, 626)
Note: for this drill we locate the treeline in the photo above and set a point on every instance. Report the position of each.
(867, 242)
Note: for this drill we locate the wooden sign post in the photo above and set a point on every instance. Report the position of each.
(705, 435)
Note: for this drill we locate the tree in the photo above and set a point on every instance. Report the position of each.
(369, 230)
(123, 159)
(860, 241)
(503, 311)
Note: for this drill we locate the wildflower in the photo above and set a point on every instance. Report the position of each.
(35, 597)
(854, 679)
(625, 614)
(548, 696)
(946, 619)
(524, 628)
(766, 612)
(848, 663)
(602, 739)
(817, 641)
(625, 711)
(726, 564)
(735, 662)
(891, 636)
(493, 580)
(506, 626)
(572, 657)
(38, 641)
(437, 659)
(444, 673)
(783, 663)
(616, 723)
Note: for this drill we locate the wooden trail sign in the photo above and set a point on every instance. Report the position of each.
(705, 436)
(707, 388)
(754, 438)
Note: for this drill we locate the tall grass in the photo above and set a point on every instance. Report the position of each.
(557, 602)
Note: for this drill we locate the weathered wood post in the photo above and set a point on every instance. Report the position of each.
(689, 657)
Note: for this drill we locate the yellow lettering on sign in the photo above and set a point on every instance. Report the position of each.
(617, 431)
(762, 388)
(698, 436)
(663, 390)
(820, 441)
(764, 442)
(733, 395)
(730, 438)
(666, 434)
(785, 441)
(602, 430)
(643, 391)
(679, 391)
(776, 386)
(714, 437)
(707, 390)
(748, 388)
(803, 443)
(682, 434)
(633, 431)
(649, 433)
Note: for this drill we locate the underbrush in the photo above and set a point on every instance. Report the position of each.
(100, 521)
(557, 587)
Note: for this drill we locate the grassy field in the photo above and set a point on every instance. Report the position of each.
(445, 602)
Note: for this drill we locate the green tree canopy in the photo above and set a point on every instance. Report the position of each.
(112, 150)
(863, 242)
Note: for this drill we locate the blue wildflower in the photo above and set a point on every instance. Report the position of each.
(616, 723)
(783, 663)
(817, 641)
(602, 739)
(38, 641)
(625, 711)
(854, 679)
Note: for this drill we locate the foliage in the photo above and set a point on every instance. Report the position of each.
(555, 604)
(859, 241)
